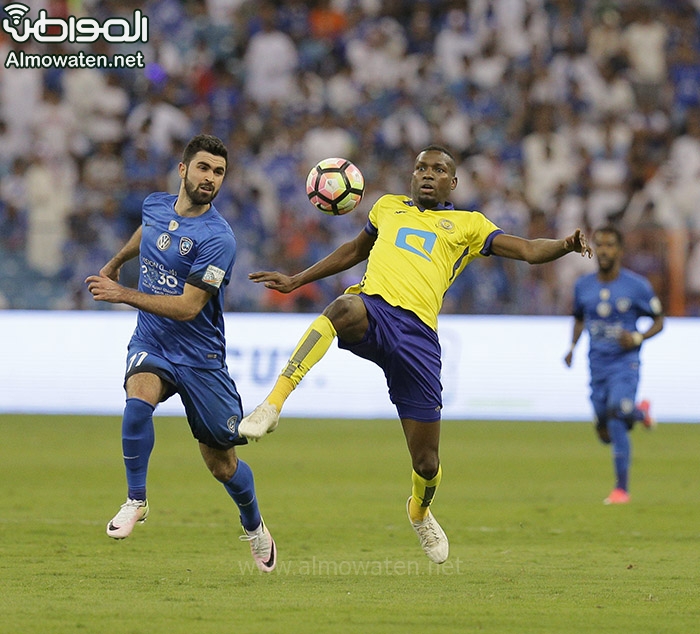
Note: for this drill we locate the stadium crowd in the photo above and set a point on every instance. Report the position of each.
(562, 113)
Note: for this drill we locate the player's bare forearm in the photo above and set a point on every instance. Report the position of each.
(129, 251)
(634, 339)
(575, 336)
(343, 258)
(178, 307)
(540, 250)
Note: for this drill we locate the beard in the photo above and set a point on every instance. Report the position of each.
(196, 195)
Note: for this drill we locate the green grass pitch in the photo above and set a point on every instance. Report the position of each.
(533, 549)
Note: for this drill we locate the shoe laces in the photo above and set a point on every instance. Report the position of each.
(427, 529)
(260, 543)
(127, 510)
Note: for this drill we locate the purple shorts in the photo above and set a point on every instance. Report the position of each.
(408, 351)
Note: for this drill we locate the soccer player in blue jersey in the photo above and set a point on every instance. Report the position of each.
(608, 304)
(186, 253)
(415, 247)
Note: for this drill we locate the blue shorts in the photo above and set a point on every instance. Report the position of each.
(408, 351)
(613, 392)
(212, 403)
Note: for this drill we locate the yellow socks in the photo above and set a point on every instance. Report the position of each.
(309, 351)
(422, 495)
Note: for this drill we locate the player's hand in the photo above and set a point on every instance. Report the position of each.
(104, 289)
(577, 242)
(110, 270)
(629, 340)
(568, 359)
(273, 279)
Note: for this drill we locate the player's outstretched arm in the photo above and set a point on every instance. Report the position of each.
(178, 307)
(539, 250)
(344, 257)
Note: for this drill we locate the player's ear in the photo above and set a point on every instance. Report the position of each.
(182, 169)
(453, 184)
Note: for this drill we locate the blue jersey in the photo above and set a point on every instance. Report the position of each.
(607, 308)
(177, 250)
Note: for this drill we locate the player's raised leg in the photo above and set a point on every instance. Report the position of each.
(309, 351)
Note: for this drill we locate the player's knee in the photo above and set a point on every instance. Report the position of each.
(222, 472)
(348, 315)
(426, 465)
(222, 465)
(623, 410)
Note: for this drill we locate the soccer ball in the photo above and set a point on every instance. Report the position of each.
(335, 186)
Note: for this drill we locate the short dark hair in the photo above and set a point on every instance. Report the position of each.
(438, 148)
(204, 143)
(612, 229)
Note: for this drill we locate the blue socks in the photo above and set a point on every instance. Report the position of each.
(241, 488)
(620, 451)
(138, 438)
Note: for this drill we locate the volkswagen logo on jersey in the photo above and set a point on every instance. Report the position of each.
(163, 242)
(186, 245)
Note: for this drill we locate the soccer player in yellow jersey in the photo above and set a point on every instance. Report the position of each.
(415, 247)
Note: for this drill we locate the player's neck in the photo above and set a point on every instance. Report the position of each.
(185, 207)
(609, 275)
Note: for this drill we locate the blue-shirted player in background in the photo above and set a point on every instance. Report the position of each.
(608, 304)
(186, 253)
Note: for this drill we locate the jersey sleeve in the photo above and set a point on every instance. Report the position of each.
(486, 250)
(650, 304)
(213, 264)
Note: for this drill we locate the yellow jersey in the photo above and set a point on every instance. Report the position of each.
(419, 253)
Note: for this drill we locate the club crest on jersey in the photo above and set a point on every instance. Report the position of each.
(186, 245)
(232, 423)
(163, 242)
(446, 225)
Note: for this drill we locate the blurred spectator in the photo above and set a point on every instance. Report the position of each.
(684, 76)
(548, 158)
(405, 127)
(21, 91)
(99, 102)
(270, 62)
(54, 127)
(327, 138)
(13, 206)
(644, 42)
(50, 183)
(683, 169)
(455, 44)
(164, 123)
(375, 55)
(605, 37)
